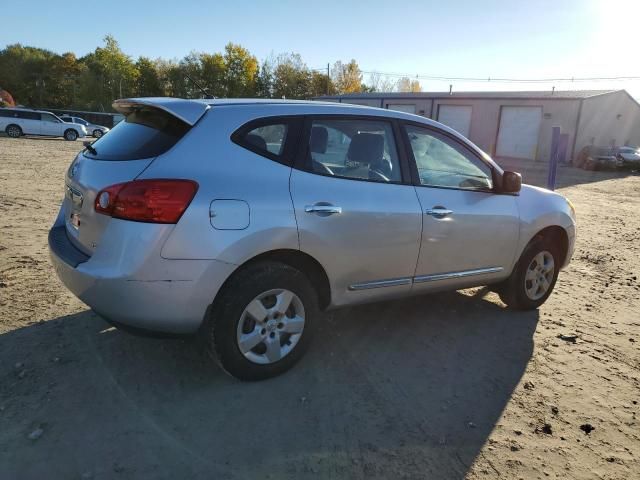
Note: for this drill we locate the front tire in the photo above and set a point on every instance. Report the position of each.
(14, 131)
(97, 133)
(70, 135)
(262, 322)
(533, 278)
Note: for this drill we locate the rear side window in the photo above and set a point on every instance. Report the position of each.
(144, 133)
(27, 115)
(273, 138)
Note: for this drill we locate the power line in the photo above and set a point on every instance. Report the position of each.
(500, 79)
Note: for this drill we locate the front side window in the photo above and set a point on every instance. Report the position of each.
(47, 117)
(354, 148)
(443, 163)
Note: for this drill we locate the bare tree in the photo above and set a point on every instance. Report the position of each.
(379, 82)
(405, 84)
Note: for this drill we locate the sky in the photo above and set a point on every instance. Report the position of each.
(479, 39)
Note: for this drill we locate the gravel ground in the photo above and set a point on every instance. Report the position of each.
(450, 386)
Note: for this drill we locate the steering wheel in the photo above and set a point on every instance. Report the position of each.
(321, 168)
(376, 175)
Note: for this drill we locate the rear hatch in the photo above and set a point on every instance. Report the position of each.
(149, 130)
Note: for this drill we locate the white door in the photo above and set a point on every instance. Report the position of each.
(518, 132)
(469, 232)
(400, 107)
(50, 125)
(457, 117)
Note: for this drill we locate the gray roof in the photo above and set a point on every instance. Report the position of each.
(540, 94)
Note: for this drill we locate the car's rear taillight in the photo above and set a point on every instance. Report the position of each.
(154, 200)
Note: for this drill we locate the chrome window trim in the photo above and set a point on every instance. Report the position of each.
(446, 276)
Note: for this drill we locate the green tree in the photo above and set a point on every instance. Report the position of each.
(347, 77)
(264, 80)
(111, 74)
(213, 73)
(291, 77)
(148, 83)
(241, 71)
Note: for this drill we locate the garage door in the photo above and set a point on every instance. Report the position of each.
(402, 107)
(518, 132)
(457, 117)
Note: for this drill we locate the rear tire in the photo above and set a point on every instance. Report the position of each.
(14, 131)
(262, 321)
(70, 135)
(533, 277)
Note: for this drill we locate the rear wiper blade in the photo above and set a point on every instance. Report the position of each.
(89, 147)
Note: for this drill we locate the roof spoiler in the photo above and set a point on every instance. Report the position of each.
(189, 111)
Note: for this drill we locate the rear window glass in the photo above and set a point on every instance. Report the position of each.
(269, 138)
(144, 133)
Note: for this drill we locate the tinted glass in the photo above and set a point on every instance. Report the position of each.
(444, 163)
(359, 149)
(145, 132)
(27, 115)
(80, 121)
(270, 138)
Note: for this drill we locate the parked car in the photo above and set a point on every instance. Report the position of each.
(16, 122)
(239, 220)
(95, 130)
(629, 156)
(593, 157)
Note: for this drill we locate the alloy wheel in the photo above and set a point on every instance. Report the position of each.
(539, 276)
(13, 132)
(270, 326)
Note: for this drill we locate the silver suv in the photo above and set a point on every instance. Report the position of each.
(242, 219)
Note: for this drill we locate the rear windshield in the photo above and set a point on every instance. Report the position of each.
(144, 133)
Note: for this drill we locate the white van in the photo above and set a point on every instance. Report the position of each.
(20, 121)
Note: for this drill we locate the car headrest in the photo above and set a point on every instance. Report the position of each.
(366, 148)
(319, 139)
(257, 141)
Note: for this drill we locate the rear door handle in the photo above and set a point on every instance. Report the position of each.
(439, 212)
(323, 209)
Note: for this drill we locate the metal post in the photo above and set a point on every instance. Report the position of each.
(328, 79)
(553, 161)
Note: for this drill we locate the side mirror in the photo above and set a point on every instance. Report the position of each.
(511, 182)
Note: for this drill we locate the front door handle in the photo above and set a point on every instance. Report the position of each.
(439, 212)
(323, 209)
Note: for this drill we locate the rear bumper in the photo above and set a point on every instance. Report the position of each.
(139, 288)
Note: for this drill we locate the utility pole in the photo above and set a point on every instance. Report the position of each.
(328, 78)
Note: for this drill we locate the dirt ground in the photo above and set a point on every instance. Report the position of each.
(450, 386)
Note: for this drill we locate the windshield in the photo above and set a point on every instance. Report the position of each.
(145, 132)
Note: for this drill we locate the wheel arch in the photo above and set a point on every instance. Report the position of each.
(299, 260)
(558, 237)
(14, 125)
